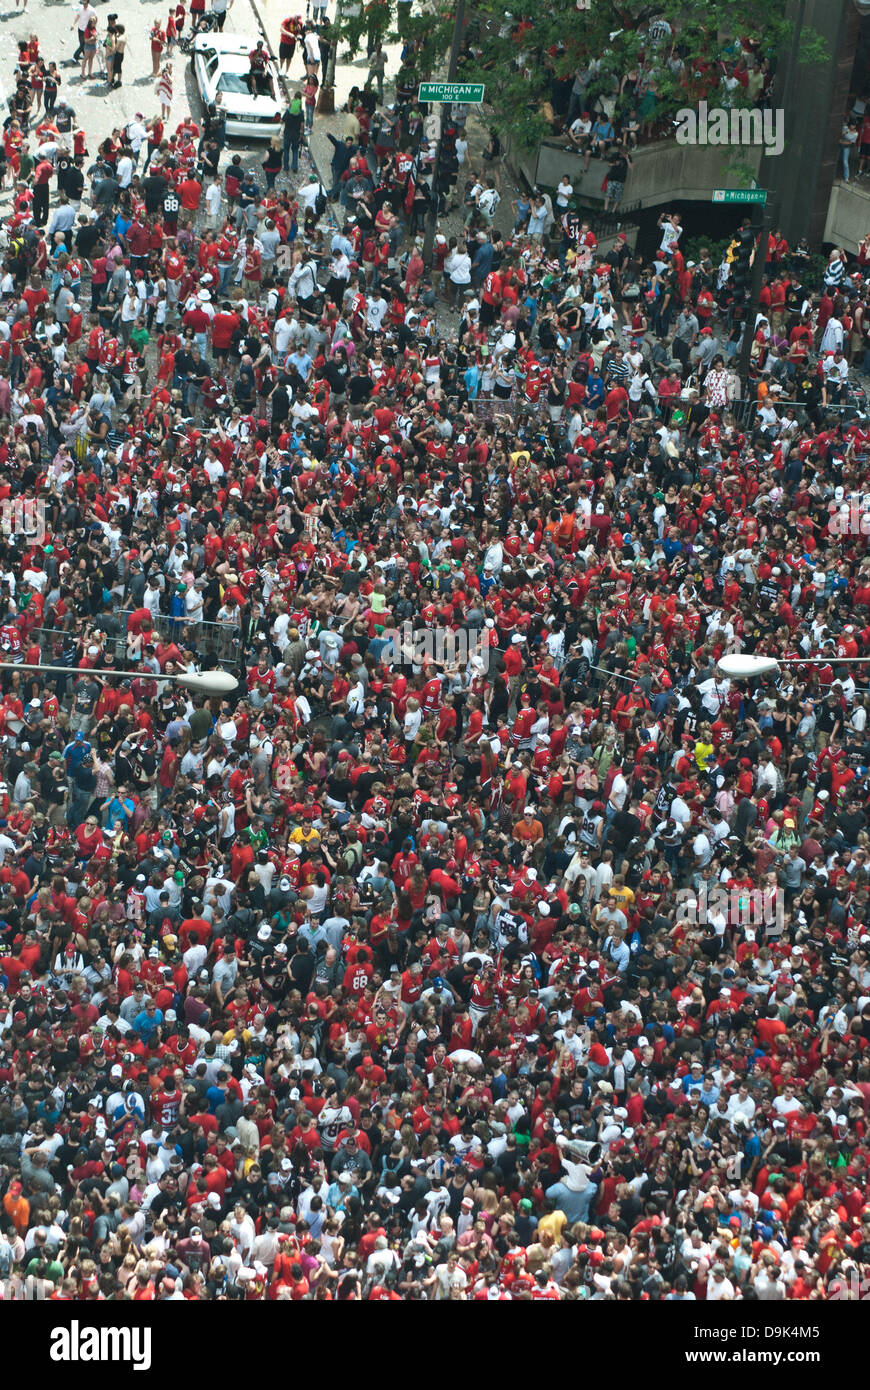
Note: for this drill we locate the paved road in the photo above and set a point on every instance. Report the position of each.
(100, 110)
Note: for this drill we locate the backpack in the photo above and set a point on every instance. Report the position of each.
(352, 856)
(321, 202)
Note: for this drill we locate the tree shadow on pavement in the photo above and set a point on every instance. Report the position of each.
(191, 91)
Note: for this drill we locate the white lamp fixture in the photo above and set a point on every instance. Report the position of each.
(208, 682)
(745, 666)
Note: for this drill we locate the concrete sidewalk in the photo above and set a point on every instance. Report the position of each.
(353, 72)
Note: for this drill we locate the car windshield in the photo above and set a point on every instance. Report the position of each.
(236, 82)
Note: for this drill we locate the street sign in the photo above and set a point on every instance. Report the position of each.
(469, 93)
(740, 195)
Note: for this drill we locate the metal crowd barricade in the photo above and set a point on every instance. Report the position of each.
(515, 407)
(745, 412)
(224, 639)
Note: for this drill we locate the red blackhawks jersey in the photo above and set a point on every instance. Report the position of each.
(536, 379)
(10, 639)
(482, 992)
(164, 1108)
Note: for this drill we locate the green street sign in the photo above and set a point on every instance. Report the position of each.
(740, 195)
(471, 93)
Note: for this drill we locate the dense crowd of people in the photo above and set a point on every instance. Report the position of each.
(426, 965)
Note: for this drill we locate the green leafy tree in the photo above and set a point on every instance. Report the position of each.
(676, 51)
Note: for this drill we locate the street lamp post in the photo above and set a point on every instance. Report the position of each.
(329, 81)
(761, 233)
(431, 221)
(206, 682)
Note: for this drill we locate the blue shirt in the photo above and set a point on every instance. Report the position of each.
(618, 954)
(482, 263)
(378, 645)
(119, 812)
(341, 243)
(215, 1097)
(313, 933)
(146, 1024)
(76, 752)
(339, 1195)
(302, 362)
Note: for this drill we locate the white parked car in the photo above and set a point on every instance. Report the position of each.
(220, 64)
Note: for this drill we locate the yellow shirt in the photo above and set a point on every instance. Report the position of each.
(553, 1224)
(623, 897)
(703, 752)
(301, 836)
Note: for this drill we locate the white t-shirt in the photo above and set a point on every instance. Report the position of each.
(308, 193)
(412, 721)
(719, 1290)
(376, 312)
(670, 236)
(285, 331)
(619, 792)
(784, 1105)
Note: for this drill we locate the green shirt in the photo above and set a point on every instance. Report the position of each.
(140, 337)
(646, 106)
(53, 1270)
